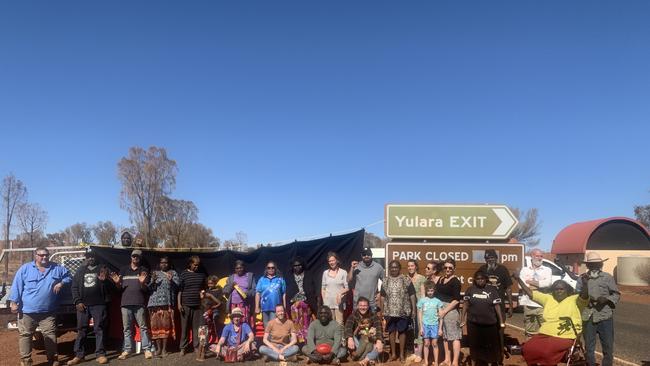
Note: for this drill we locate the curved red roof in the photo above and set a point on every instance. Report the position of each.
(573, 238)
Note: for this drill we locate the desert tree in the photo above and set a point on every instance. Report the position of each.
(105, 232)
(175, 219)
(528, 229)
(147, 177)
(32, 220)
(79, 233)
(14, 194)
(200, 236)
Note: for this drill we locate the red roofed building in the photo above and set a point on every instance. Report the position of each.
(610, 237)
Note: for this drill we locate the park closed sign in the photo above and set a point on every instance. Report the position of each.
(449, 221)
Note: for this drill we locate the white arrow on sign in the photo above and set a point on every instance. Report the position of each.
(507, 221)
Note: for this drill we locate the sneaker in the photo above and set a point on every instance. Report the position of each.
(265, 358)
(293, 358)
(123, 355)
(76, 360)
(26, 362)
(183, 352)
(54, 363)
(102, 360)
(148, 355)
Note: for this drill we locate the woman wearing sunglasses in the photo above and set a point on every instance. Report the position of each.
(448, 292)
(270, 291)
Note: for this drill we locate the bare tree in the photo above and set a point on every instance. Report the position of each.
(79, 233)
(56, 239)
(175, 220)
(32, 220)
(527, 231)
(238, 243)
(105, 232)
(14, 194)
(147, 176)
(642, 214)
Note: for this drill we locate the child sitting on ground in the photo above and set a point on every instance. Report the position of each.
(366, 334)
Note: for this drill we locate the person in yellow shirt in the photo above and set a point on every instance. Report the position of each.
(562, 319)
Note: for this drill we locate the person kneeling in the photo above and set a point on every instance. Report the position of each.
(324, 339)
(280, 338)
(237, 339)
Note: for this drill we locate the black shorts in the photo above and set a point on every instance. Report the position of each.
(398, 324)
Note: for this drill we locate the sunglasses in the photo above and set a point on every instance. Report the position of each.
(447, 267)
(42, 255)
(270, 267)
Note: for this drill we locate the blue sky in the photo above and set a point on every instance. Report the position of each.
(296, 118)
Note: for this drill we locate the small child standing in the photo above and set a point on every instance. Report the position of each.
(428, 316)
(213, 309)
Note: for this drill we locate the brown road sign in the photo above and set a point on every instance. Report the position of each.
(468, 257)
(449, 221)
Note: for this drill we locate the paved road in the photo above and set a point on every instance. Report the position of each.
(632, 327)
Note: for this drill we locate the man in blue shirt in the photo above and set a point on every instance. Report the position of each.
(34, 297)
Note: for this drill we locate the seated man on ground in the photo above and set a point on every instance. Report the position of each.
(324, 334)
(237, 339)
(280, 338)
(363, 324)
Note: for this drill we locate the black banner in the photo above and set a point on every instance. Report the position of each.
(221, 263)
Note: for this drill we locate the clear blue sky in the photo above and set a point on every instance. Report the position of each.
(294, 118)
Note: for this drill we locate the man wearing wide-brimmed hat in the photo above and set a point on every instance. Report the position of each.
(598, 316)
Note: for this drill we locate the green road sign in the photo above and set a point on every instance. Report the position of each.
(449, 221)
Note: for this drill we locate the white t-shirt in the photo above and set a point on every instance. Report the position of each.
(542, 275)
(333, 286)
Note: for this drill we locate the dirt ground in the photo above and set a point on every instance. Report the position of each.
(9, 353)
(9, 341)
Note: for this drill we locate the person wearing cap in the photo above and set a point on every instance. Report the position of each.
(34, 297)
(91, 290)
(499, 277)
(237, 338)
(598, 315)
(536, 276)
(132, 281)
(366, 276)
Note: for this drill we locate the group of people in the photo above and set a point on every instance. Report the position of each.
(304, 314)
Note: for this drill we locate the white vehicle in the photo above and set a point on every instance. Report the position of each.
(557, 272)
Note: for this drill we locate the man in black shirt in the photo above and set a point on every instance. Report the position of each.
(499, 277)
(133, 282)
(91, 293)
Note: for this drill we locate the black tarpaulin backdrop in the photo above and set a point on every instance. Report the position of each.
(221, 263)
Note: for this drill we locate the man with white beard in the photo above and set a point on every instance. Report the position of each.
(537, 277)
(598, 316)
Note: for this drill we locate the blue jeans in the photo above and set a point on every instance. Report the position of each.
(138, 313)
(99, 315)
(605, 331)
(271, 354)
(267, 316)
(372, 355)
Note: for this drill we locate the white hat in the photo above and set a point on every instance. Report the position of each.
(593, 257)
